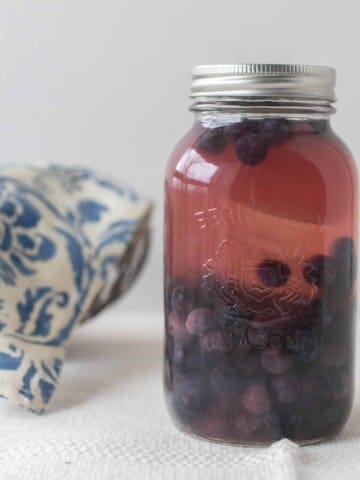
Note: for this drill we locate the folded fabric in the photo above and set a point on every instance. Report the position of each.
(70, 243)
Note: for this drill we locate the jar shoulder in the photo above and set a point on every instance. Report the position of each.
(204, 155)
(307, 174)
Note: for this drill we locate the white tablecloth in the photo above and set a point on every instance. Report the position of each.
(108, 421)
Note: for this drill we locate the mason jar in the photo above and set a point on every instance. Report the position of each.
(260, 245)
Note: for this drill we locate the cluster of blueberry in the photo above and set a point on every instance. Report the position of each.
(234, 378)
(252, 138)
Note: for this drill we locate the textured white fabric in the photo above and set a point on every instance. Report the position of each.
(108, 421)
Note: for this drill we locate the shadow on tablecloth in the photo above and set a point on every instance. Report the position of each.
(98, 364)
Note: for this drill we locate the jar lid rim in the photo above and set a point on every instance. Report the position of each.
(264, 80)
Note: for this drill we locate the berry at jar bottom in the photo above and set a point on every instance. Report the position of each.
(229, 380)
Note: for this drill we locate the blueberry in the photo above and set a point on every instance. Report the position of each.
(256, 399)
(185, 359)
(212, 140)
(286, 388)
(257, 428)
(305, 345)
(341, 330)
(199, 321)
(318, 270)
(192, 397)
(334, 357)
(226, 380)
(316, 315)
(176, 326)
(259, 335)
(318, 126)
(169, 352)
(315, 388)
(235, 131)
(233, 318)
(178, 301)
(242, 346)
(270, 427)
(251, 149)
(179, 357)
(341, 387)
(324, 420)
(275, 361)
(246, 426)
(343, 253)
(217, 341)
(293, 424)
(215, 425)
(274, 130)
(250, 367)
(168, 376)
(273, 273)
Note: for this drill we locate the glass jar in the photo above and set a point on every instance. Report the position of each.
(260, 240)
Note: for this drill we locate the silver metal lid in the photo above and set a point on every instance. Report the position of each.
(254, 80)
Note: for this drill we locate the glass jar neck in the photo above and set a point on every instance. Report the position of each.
(292, 109)
(295, 121)
(223, 117)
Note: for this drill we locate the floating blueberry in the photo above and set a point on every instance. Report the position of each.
(226, 380)
(236, 130)
(318, 126)
(178, 301)
(212, 140)
(286, 388)
(199, 321)
(192, 397)
(273, 273)
(275, 361)
(318, 270)
(251, 149)
(256, 399)
(274, 130)
(315, 388)
(217, 341)
(305, 345)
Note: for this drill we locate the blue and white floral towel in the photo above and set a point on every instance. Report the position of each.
(66, 250)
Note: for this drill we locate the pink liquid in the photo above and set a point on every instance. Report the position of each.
(265, 251)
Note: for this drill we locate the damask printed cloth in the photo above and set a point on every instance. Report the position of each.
(67, 248)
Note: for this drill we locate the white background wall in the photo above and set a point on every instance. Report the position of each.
(105, 83)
